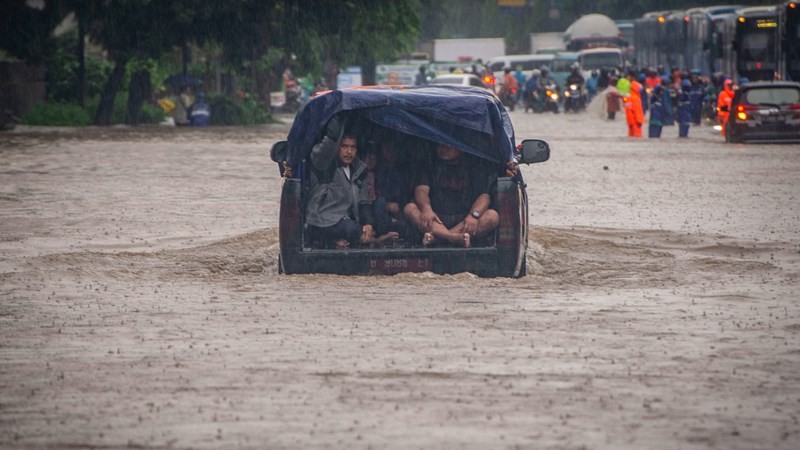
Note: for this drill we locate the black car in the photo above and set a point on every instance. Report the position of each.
(765, 111)
(471, 119)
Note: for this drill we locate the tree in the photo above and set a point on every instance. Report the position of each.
(26, 31)
(139, 29)
(267, 37)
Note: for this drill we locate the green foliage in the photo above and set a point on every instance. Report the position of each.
(148, 114)
(237, 111)
(62, 71)
(151, 114)
(57, 114)
(26, 32)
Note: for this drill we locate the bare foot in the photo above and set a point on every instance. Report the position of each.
(427, 239)
(342, 244)
(467, 242)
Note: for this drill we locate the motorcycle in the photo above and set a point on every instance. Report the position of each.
(550, 98)
(574, 99)
(532, 101)
(509, 98)
(294, 98)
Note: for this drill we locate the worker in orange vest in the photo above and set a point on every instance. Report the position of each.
(634, 114)
(724, 99)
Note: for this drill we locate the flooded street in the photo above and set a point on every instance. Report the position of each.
(141, 304)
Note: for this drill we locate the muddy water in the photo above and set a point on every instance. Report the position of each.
(141, 306)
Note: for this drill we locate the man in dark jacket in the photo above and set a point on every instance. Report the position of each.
(339, 209)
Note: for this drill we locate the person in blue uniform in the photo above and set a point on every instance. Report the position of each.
(684, 109)
(657, 112)
(200, 112)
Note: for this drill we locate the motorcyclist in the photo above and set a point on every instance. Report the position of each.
(292, 91)
(529, 90)
(520, 76)
(509, 89)
(545, 83)
(574, 78)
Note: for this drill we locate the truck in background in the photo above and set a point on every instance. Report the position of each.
(593, 30)
(551, 42)
(474, 49)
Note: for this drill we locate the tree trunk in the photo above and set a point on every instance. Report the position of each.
(368, 72)
(186, 53)
(105, 109)
(140, 91)
(261, 81)
(329, 70)
(81, 54)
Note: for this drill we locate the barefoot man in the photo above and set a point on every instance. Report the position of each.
(451, 201)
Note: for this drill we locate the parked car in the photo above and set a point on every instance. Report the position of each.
(767, 111)
(468, 118)
(463, 79)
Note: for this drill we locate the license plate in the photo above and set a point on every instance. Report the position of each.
(771, 119)
(391, 266)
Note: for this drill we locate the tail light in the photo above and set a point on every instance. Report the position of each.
(795, 110)
(741, 113)
(489, 80)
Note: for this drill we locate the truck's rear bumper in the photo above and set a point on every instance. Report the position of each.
(482, 261)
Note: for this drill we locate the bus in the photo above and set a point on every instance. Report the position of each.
(704, 37)
(654, 45)
(756, 43)
(723, 30)
(789, 32)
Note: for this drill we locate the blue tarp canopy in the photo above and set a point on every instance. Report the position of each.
(468, 118)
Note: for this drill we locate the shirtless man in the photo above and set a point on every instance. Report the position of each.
(451, 201)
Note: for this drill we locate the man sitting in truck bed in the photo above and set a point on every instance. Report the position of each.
(339, 209)
(451, 200)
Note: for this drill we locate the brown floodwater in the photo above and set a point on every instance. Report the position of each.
(141, 304)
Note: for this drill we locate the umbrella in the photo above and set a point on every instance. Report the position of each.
(180, 80)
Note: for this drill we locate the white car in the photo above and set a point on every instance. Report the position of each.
(460, 79)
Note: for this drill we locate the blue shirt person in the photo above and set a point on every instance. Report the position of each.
(657, 112)
(684, 108)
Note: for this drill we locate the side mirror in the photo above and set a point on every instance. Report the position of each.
(724, 108)
(533, 151)
(278, 153)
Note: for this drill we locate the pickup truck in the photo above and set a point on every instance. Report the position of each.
(471, 119)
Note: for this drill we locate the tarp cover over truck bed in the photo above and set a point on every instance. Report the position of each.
(468, 118)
